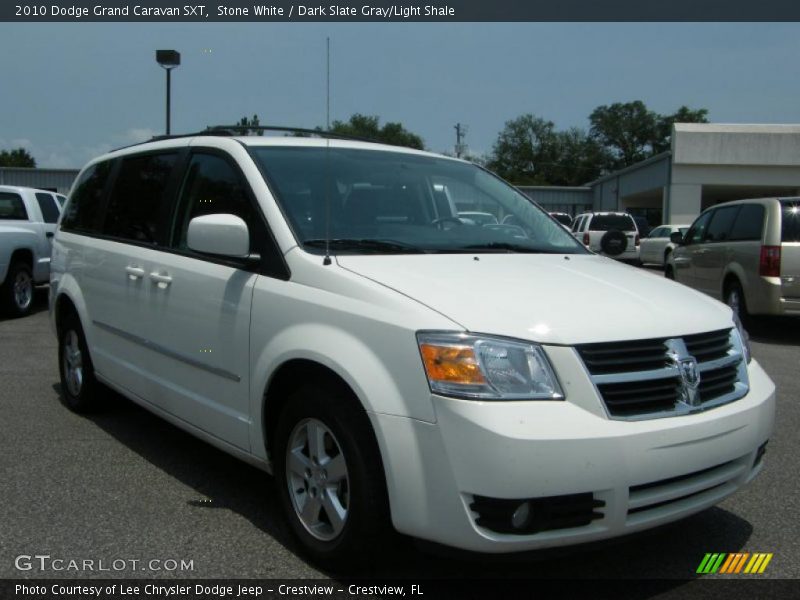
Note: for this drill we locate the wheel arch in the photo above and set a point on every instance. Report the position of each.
(24, 255)
(734, 274)
(68, 298)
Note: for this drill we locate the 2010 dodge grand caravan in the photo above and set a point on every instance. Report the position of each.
(318, 308)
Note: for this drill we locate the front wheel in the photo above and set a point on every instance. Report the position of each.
(330, 477)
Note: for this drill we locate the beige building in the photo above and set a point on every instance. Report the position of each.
(709, 163)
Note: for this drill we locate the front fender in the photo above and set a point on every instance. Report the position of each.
(371, 374)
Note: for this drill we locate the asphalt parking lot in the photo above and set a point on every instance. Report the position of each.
(124, 484)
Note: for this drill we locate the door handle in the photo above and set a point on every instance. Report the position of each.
(49, 234)
(162, 279)
(134, 272)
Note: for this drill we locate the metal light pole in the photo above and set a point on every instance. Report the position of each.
(168, 59)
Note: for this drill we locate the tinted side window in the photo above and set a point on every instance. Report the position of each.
(213, 186)
(12, 207)
(48, 207)
(720, 226)
(138, 206)
(658, 232)
(749, 223)
(83, 210)
(790, 220)
(698, 229)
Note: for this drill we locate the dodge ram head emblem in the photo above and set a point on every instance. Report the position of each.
(687, 370)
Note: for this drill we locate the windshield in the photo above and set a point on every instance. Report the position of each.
(369, 201)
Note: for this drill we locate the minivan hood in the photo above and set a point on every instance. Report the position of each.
(555, 299)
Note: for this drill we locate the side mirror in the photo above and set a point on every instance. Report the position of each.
(676, 237)
(221, 234)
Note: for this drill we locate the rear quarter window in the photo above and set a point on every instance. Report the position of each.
(83, 210)
(790, 220)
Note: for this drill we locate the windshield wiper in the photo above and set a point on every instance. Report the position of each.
(508, 247)
(366, 245)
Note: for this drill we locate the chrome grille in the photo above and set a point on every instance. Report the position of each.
(709, 346)
(645, 379)
(633, 397)
(631, 356)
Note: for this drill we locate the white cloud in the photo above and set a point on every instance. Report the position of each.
(66, 155)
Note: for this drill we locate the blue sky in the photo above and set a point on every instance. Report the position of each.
(71, 91)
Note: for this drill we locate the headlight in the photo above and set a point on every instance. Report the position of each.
(487, 368)
(744, 336)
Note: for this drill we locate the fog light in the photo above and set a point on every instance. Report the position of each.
(521, 516)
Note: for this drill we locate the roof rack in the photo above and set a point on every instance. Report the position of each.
(243, 130)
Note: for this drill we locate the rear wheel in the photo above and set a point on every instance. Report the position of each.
(734, 298)
(330, 477)
(78, 385)
(669, 272)
(17, 290)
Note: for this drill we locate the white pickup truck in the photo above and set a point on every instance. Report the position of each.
(28, 220)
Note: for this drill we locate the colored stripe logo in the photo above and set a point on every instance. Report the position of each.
(734, 563)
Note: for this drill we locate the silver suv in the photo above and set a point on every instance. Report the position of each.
(746, 253)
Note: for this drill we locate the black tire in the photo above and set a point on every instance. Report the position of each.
(669, 272)
(16, 293)
(667, 253)
(366, 525)
(613, 243)
(79, 388)
(734, 298)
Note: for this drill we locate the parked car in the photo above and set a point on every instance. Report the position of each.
(746, 253)
(612, 234)
(27, 222)
(656, 247)
(309, 306)
(563, 218)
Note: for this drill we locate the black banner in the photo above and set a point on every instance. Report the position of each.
(749, 587)
(400, 10)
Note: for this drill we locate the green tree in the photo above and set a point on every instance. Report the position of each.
(16, 158)
(627, 131)
(631, 132)
(368, 127)
(529, 151)
(245, 124)
(665, 122)
(524, 150)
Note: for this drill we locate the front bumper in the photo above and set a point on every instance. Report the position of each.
(645, 472)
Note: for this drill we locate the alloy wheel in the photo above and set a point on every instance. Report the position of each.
(73, 363)
(23, 290)
(316, 473)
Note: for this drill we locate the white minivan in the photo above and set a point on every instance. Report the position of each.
(318, 308)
